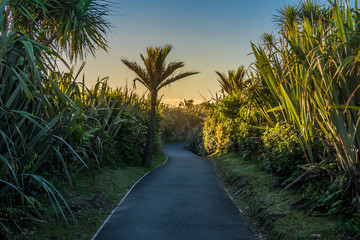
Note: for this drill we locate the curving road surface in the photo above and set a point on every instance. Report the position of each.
(182, 199)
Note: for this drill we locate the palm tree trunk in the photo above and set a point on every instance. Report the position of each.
(151, 131)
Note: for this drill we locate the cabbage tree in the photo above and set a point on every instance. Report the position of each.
(155, 75)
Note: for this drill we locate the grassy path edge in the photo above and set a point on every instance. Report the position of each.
(127, 193)
(273, 214)
(93, 197)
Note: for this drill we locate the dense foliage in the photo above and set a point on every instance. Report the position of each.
(297, 110)
(51, 125)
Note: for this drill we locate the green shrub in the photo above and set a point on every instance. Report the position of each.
(282, 153)
(130, 141)
(230, 126)
(209, 133)
(216, 136)
(218, 126)
(230, 107)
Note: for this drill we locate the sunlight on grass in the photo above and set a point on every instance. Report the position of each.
(275, 211)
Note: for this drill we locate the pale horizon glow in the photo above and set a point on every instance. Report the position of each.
(208, 35)
(175, 102)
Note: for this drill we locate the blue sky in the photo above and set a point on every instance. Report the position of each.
(208, 35)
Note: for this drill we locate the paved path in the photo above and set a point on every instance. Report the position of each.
(182, 199)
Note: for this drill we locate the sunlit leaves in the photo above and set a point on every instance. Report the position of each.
(313, 74)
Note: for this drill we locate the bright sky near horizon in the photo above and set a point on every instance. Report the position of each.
(208, 35)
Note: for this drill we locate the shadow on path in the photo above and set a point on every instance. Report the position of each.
(182, 199)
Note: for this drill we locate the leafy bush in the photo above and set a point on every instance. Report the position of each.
(218, 125)
(130, 141)
(282, 153)
(209, 135)
(230, 126)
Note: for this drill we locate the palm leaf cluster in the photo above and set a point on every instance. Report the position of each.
(157, 73)
(234, 81)
(75, 27)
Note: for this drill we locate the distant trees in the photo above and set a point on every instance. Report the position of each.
(156, 75)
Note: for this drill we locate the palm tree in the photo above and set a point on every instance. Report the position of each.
(287, 19)
(156, 75)
(234, 82)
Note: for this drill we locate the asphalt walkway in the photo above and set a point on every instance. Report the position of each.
(182, 199)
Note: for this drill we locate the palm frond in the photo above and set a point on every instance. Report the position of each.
(175, 78)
